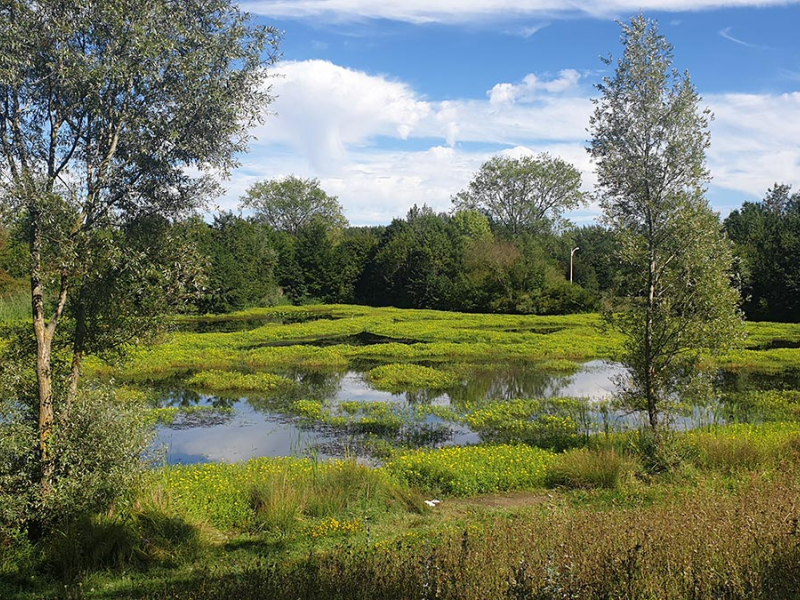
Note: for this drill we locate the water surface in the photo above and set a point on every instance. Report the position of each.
(257, 427)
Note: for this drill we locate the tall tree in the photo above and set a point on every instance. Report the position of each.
(292, 203)
(649, 141)
(523, 194)
(103, 106)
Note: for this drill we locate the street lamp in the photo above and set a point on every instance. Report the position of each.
(571, 254)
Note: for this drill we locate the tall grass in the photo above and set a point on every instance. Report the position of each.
(584, 468)
(277, 495)
(15, 306)
(708, 545)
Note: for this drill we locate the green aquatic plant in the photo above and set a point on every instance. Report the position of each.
(230, 381)
(548, 423)
(398, 376)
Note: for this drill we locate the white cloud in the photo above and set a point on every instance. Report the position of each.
(754, 141)
(322, 109)
(530, 30)
(333, 122)
(458, 11)
(532, 87)
(726, 33)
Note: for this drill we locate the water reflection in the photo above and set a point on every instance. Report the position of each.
(263, 425)
(249, 433)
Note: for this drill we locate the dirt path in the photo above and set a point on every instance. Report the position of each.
(507, 500)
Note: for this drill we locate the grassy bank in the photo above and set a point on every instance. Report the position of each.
(592, 522)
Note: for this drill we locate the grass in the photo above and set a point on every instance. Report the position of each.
(15, 306)
(228, 381)
(422, 336)
(298, 528)
(467, 471)
(584, 468)
(243, 497)
(409, 376)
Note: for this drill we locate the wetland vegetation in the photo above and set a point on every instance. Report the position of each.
(296, 523)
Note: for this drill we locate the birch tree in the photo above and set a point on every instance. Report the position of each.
(109, 110)
(650, 136)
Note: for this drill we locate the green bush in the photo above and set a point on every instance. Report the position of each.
(98, 466)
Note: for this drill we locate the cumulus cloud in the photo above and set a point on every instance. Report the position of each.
(333, 123)
(322, 109)
(754, 141)
(458, 11)
(532, 86)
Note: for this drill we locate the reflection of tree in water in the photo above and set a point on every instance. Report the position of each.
(507, 383)
(176, 397)
(424, 396)
(316, 385)
(308, 385)
(745, 381)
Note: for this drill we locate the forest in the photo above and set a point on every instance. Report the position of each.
(464, 260)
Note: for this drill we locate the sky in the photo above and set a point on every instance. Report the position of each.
(392, 103)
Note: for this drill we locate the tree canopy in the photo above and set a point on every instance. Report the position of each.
(523, 194)
(107, 109)
(291, 203)
(767, 238)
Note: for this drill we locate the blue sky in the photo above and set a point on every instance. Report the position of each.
(398, 102)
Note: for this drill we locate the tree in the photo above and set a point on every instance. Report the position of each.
(292, 203)
(240, 262)
(766, 235)
(527, 193)
(103, 106)
(649, 142)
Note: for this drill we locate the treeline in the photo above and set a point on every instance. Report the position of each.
(425, 260)
(466, 260)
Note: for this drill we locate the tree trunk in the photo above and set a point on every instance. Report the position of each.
(44, 376)
(44, 332)
(651, 394)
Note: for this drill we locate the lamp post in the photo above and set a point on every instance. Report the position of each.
(571, 254)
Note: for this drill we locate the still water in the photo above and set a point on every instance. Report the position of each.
(257, 428)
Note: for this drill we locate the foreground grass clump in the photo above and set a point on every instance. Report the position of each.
(585, 468)
(471, 470)
(744, 446)
(275, 492)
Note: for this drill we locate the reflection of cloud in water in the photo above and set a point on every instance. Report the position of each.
(594, 380)
(250, 434)
(353, 387)
(253, 432)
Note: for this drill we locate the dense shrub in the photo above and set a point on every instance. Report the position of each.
(98, 453)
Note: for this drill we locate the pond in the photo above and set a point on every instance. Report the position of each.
(265, 426)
